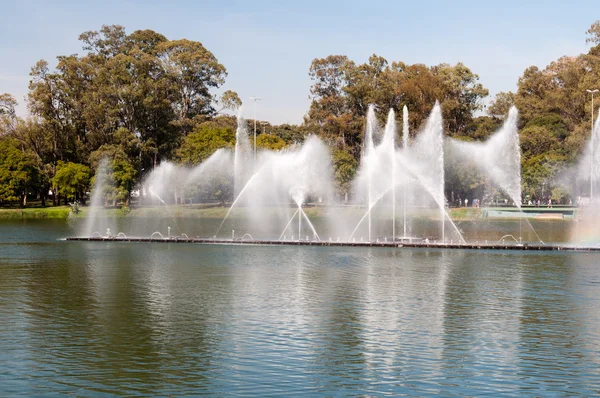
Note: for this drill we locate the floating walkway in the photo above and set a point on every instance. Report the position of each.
(468, 246)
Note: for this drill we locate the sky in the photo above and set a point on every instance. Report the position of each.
(268, 46)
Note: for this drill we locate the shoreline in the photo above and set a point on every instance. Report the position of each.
(219, 212)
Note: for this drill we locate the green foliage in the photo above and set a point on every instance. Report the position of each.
(464, 180)
(482, 127)
(501, 104)
(560, 195)
(539, 175)
(7, 113)
(204, 141)
(536, 141)
(555, 111)
(291, 134)
(122, 174)
(71, 179)
(343, 90)
(140, 98)
(552, 123)
(345, 166)
(140, 91)
(270, 141)
(18, 171)
(229, 100)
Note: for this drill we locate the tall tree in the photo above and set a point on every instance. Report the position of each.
(18, 171)
(8, 115)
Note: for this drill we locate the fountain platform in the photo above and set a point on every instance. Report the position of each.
(430, 245)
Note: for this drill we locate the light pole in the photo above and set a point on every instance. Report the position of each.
(592, 148)
(264, 127)
(255, 99)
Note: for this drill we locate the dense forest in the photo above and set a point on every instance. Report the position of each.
(140, 98)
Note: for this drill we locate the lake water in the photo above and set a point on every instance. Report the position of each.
(141, 319)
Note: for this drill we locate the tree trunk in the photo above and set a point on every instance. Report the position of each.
(24, 199)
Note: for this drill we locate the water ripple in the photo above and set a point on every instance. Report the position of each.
(187, 320)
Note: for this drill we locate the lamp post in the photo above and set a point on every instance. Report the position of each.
(592, 148)
(255, 99)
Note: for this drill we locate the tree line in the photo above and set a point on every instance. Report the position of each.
(140, 98)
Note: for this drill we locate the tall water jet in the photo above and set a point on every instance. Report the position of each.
(594, 157)
(405, 151)
(389, 148)
(426, 159)
(499, 157)
(95, 221)
(241, 161)
(369, 158)
(285, 177)
(424, 165)
(588, 172)
(588, 169)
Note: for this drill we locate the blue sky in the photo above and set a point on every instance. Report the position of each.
(267, 46)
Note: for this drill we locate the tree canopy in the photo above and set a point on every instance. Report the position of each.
(140, 98)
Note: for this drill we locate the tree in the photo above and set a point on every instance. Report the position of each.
(480, 128)
(330, 77)
(594, 33)
(193, 70)
(230, 100)
(343, 90)
(291, 134)
(122, 174)
(462, 95)
(501, 104)
(8, 115)
(18, 172)
(204, 141)
(540, 175)
(345, 167)
(270, 141)
(33, 134)
(71, 180)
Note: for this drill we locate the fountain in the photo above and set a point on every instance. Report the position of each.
(283, 178)
(405, 151)
(389, 143)
(499, 158)
(96, 219)
(369, 158)
(242, 154)
(275, 195)
(422, 165)
(588, 172)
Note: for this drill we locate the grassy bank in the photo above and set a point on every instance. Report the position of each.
(64, 212)
(59, 212)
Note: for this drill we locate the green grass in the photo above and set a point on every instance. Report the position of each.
(64, 212)
(59, 212)
(463, 213)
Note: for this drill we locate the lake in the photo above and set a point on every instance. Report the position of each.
(87, 318)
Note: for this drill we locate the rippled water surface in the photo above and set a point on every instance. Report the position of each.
(89, 318)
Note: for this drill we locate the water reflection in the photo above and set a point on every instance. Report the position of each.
(185, 319)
